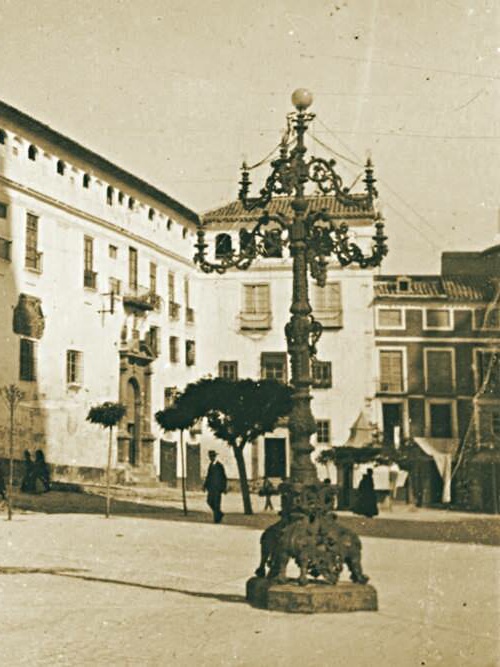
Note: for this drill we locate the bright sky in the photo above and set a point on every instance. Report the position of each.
(177, 91)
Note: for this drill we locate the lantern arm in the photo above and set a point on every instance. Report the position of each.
(322, 172)
(325, 237)
(254, 245)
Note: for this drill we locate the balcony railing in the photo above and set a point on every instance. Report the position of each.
(140, 298)
(330, 319)
(189, 315)
(34, 261)
(255, 321)
(90, 279)
(174, 310)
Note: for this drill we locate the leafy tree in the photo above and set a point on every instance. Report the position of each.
(237, 412)
(107, 414)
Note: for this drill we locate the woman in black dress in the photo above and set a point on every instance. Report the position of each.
(366, 502)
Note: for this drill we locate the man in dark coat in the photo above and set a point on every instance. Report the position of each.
(215, 485)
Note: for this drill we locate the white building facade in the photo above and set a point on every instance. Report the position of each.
(100, 301)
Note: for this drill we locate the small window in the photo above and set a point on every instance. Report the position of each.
(3, 210)
(132, 268)
(247, 242)
(223, 246)
(403, 284)
(121, 197)
(61, 167)
(86, 181)
(109, 195)
(487, 318)
(5, 249)
(131, 203)
(228, 370)
(174, 349)
(495, 423)
(152, 277)
(190, 353)
(273, 246)
(321, 374)
(32, 152)
(113, 251)
(33, 258)
(273, 366)
(74, 367)
(437, 318)
(154, 340)
(439, 377)
(151, 214)
(391, 371)
(390, 318)
(169, 396)
(323, 431)
(27, 360)
(184, 232)
(3, 137)
(169, 224)
(327, 304)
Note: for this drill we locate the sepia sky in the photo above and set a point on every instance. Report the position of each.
(177, 91)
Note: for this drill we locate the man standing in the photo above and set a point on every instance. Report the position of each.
(215, 485)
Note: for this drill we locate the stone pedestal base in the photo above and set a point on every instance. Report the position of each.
(316, 597)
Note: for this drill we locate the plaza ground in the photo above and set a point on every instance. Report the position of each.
(153, 588)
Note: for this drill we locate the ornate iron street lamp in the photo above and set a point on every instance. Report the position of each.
(312, 236)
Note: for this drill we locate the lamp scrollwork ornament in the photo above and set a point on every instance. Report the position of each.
(314, 238)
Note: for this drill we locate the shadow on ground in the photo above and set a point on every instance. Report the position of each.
(470, 530)
(73, 573)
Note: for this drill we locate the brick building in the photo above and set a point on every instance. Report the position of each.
(437, 358)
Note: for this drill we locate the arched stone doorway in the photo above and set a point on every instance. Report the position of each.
(135, 440)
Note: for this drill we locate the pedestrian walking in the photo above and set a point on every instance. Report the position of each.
(28, 481)
(366, 502)
(267, 491)
(41, 471)
(215, 485)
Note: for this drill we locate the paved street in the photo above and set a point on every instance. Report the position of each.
(77, 589)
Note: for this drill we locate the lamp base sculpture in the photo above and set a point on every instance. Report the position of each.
(308, 532)
(315, 598)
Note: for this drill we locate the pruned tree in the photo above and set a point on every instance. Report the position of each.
(237, 412)
(107, 415)
(178, 418)
(12, 396)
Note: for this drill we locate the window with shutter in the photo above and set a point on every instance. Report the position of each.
(273, 366)
(488, 371)
(327, 304)
(437, 318)
(256, 307)
(439, 371)
(27, 360)
(321, 374)
(74, 367)
(390, 318)
(228, 370)
(391, 371)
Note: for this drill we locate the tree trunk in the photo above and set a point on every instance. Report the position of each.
(11, 461)
(108, 474)
(183, 475)
(242, 472)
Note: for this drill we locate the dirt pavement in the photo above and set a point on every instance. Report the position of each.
(79, 589)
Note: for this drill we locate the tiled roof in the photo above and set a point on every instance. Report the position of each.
(451, 288)
(235, 213)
